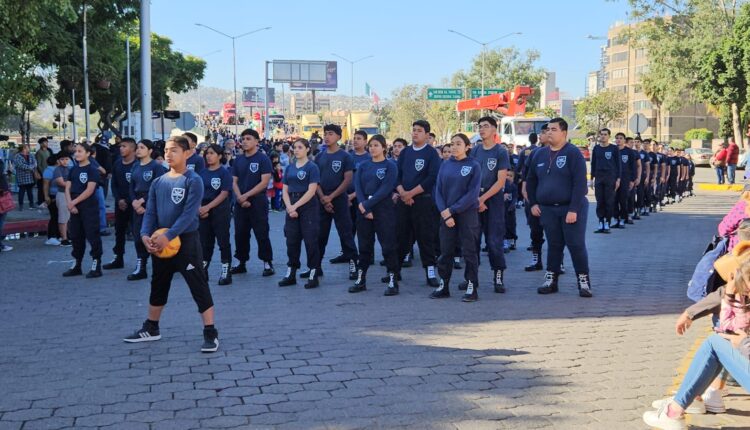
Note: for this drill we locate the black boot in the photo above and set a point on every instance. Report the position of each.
(498, 281)
(457, 263)
(290, 278)
(387, 278)
(431, 274)
(239, 268)
(584, 285)
(463, 285)
(226, 276)
(601, 227)
(140, 270)
(353, 274)
(338, 259)
(116, 263)
(536, 262)
(268, 269)
(392, 288)
(312, 279)
(96, 269)
(75, 270)
(441, 292)
(361, 282)
(408, 260)
(306, 273)
(471, 293)
(550, 284)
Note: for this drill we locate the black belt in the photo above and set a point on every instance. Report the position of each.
(555, 204)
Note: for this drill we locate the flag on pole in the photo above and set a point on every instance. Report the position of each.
(375, 98)
(367, 88)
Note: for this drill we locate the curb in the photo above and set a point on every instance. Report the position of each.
(36, 225)
(723, 187)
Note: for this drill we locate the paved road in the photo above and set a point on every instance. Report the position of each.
(292, 358)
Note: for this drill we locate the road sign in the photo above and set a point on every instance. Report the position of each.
(638, 123)
(444, 93)
(477, 92)
(186, 121)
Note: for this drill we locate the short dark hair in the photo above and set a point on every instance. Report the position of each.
(545, 126)
(147, 143)
(400, 139)
(52, 160)
(422, 123)
(190, 136)
(533, 138)
(609, 132)
(628, 139)
(181, 141)
(466, 140)
(620, 134)
(128, 140)
(218, 150)
(250, 132)
(361, 133)
(156, 153)
(561, 122)
(332, 127)
(41, 139)
(488, 119)
(433, 135)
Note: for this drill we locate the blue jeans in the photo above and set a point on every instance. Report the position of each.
(719, 175)
(731, 169)
(715, 354)
(102, 209)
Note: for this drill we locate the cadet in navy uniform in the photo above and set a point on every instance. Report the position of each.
(252, 172)
(418, 166)
(628, 172)
(494, 165)
(336, 172)
(141, 176)
(123, 205)
(605, 174)
(536, 232)
(557, 193)
(641, 201)
(457, 191)
(675, 173)
(80, 189)
(301, 180)
(215, 212)
(510, 197)
(195, 162)
(374, 183)
(664, 172)
(653, 179)
(173, 203)
(359, 155)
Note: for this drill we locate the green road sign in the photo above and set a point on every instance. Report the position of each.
(477, 92)
(444, 94)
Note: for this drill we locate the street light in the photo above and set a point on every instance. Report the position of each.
(202, 57)
(234, 65)
(484, 46)
(351, 100)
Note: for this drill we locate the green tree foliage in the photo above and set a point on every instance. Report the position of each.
(409, 103)
(599, 110)
(699, 133)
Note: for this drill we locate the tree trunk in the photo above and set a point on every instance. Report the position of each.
(736, 129)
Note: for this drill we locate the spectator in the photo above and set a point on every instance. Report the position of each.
(50, 190)
(104, 158)
(26, 172)
(720, 163)
(41, 156)
(4, 188)
(733, 155)
(284, 157)
(731, 221)
(59, 176)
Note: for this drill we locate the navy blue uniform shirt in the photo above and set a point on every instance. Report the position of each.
(173, 203)
(374, 182)
(141, 177)
(121, 179)
(298, 179)
(418, 167)
(663, 161)
(674, 163)
(628, 167)
(523, 160)
(557, 178)
(80, 177)
(196, 163)
(645, 163)
(357, 159)
(214, 182)
(249, 170)
(490, 161)
(457, 186)
(605, 162)
(332, 168)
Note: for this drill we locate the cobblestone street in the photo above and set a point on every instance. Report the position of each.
(325, 359)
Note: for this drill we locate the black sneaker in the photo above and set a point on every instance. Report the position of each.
(463, 285)
(66, 243)
(268, 269)
(75, 270)
(239, 268)
(584, 285)
(147, 333)
(290, 278)
(536, 262)
(471, 293)
(361, 282)
(116, 263)
(392, 288)
(312, 279)
(498, 282)
(387, 278)
(441, 292)
(139, 272)
(601, 227)
(96, 269)
(338, 259)
(352, 270)
(210, 340)
(550, 284)
(408, 261)
(432, 279)
(226, 277)
(457, 263)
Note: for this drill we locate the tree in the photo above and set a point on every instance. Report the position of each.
(600, 109)
(408, 105)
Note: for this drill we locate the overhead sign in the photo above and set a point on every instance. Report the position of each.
(444, 93)
(638, 123)
(477, 92)
(255, 96)
(306, 75)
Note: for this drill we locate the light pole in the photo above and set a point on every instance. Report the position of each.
(484, 47)
(127, 72)
(234, 65)
(85, 74)
(202, 57)
(147, 124)
(351, 100)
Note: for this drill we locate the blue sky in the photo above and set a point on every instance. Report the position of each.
(409, 39)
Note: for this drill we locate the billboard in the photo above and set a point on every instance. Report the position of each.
(254, 97)
(306, 75)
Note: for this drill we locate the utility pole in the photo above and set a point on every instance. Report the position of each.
(146, 122)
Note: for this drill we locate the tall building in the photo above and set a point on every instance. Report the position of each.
(623, 67)
(592, 83)
(551, 96)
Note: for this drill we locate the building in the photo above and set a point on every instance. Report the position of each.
(302, 103)
(592, 83)
(551, 96)
(623, 67)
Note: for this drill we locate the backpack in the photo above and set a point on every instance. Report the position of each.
(705, 279)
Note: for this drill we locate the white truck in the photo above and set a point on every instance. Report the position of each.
(516, 129)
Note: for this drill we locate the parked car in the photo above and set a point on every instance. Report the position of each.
(700, 156)
(585, 152)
